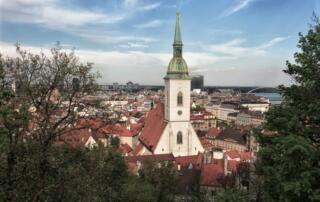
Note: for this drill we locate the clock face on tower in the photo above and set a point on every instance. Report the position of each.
(179, 112)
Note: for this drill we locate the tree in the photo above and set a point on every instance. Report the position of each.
(37, 112)
(136, 189)
(232, 195)
(289, 159)
(162, 176)
(115, 142)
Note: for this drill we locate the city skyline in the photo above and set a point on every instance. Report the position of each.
(239, 42)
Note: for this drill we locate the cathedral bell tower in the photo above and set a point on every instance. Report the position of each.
(177, 82)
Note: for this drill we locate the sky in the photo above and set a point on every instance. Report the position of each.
(230, 42)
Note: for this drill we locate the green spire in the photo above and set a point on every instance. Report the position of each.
(177, 33)
(177, 68)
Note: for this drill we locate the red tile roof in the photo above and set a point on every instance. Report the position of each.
(89, 123)
(201, 115)
(123, 131)
(137, 149)
(195, 160)
(125, 148)
(153, 127)
(214, 132)
(77, 137)
(233, 154)
(211, 172)
(118, 130)
(136, 128)
(232, 165)
(245, 156)
(205, 143)
(157, 157)
(79, 133)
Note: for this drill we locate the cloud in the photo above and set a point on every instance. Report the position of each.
(150, 24)
(197, 70)
(273, 42)
(241, 4)
(130, 3)
(149, 68)
(138, 5)
(109, 37)
(80, 22)
(124, 66)
(225, 31)
(150, 6)
(236, 49)
(133, 45)
(50, 14)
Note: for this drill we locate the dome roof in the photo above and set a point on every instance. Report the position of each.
(177, 68)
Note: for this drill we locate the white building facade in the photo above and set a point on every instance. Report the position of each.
(178, 137)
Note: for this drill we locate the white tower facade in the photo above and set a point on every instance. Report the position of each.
(177, 98)
(178, 136)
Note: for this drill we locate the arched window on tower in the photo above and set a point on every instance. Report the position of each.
(179, 99)
(179, 137)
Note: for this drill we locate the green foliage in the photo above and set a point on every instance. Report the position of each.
(115, 142)
(289, 159)
(136, 189)
(290, 168)
(162, 176)
(33, 167)
(232, 195)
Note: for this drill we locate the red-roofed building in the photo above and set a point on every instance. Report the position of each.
(238, 155)
(246, 156)
(194, 161)
(167, 128)
(213, 133)
(153, 129)
(77, 137)
(233, 155)
(156, 138)
(203, 120)
(138, 150)
(213, 175)
(210, 173)
(136, 162)
(206, 144)
(232, 166)
(125, 149)
(125, 135)
(85, 132)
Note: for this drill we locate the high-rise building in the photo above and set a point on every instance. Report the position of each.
(197, 82)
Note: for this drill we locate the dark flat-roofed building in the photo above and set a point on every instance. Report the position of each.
(197, 82)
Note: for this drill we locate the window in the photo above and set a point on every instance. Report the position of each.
(179, 99)
(179, 137)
